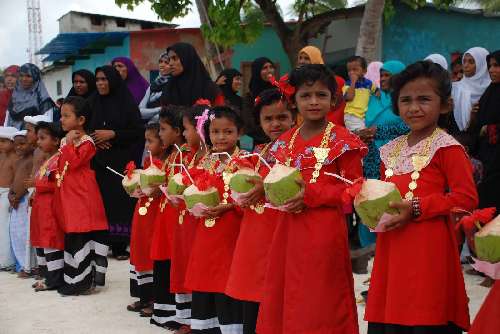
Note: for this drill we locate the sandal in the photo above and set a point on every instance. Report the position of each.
(183, 330)
(122, 257)
(146, 312)
(41, 286)
(136, 306)
(23, 275)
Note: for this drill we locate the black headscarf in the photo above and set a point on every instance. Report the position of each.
(193, 83)
(89, 79)
(230, 96)
(257, 85)
(489, 104)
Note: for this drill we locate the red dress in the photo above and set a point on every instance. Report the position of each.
(487, 321)
(309, 286)
(78, 202)
(336, 114)
(417, 278)
(44, 230)
(248, 269)
(142, 234)
(184, 232)
(213, 247)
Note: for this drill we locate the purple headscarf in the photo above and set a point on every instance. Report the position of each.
(136, 84)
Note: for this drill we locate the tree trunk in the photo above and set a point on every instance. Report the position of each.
(215, 66)
(370, 30)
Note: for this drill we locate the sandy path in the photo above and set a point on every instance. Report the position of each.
(23, 311)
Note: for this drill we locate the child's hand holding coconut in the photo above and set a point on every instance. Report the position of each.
(217, 211)
(254, 195)
(400, 219)
(296, 204)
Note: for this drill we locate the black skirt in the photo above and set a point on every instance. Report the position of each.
(378, 328)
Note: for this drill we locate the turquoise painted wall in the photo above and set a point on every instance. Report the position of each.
(412, 35)
(268, 45)
(100, 59)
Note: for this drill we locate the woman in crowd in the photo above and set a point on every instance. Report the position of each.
(136, 84)
(488, 130)
(29, 98)
(150, 104)
(10, 77)
(230, 81)
(190, 79)
(115, 127)
(436, 58)
(262, 70)
(385, 126)
(83, 84)
(466, 94)
(373, 72)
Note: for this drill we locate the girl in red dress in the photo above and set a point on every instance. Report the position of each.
(309, 286)
(78, 204)
(45, 233)
(141, 265)
(248, 269)
(216, 234)
(417, 284)
(164, 314)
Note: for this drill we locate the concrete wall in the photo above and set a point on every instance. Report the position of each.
(77, 22)
(412, 35)
(51, 77)
(105, 58)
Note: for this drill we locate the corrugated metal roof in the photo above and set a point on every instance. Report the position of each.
(75, 45)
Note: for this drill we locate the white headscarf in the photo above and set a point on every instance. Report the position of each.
(467, 91)
(436, 58)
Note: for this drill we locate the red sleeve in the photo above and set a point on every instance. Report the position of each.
(43, 186)
(219, 100)
(329, 192)
(457, 169)
(78, 156)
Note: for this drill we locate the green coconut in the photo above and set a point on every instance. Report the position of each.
(238, 182)
(175, 185)
(152, 177)
(131, 184)
(487, 242)
(193, 196)
(373, 201)
(281, 185)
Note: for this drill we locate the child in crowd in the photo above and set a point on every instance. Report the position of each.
(357, 91)
(249, 265)
(217, 231)
(18, 198)
(46, 235)
(141, 265)
(8, 160)
(78, 204)
(434, 174)
(164, 314)
(309, 284)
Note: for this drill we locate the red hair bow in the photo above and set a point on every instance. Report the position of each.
(129, 169)
(203, 102)
(283, 86)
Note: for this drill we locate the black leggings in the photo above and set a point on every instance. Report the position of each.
(377, 328)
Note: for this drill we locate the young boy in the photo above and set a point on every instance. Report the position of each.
(19, 218)
(7, 161)
(357, 91)
(30, 123)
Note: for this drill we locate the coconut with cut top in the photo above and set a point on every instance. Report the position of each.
(280, 184)
(151, 177)
(193, 196)
(239, 180)
(131, 184)
(373, 201)
(176, 186)
(487, 241)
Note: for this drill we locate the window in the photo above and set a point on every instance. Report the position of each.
(147, 25)
(59, 87)
(120, 23)
(96, 20)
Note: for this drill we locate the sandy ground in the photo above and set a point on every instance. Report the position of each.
(23, 311)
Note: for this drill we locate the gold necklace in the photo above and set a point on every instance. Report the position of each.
(418, 160)
(320, 153)
(226, 177)
(60, 176)
(259, 207)
(143, 210)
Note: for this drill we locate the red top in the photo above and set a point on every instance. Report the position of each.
(487, 321)
(78, 202)
(5, 96)
(142, 234)
(248, 269)
(213, 247)
(309, 286)
(44, 230)
(417, 277)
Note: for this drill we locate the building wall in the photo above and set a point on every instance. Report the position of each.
(146, 46)
(105, 58)
(77, 22)
(62, 74)
(412, 35)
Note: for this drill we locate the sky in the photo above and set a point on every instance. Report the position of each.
(14, 28)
